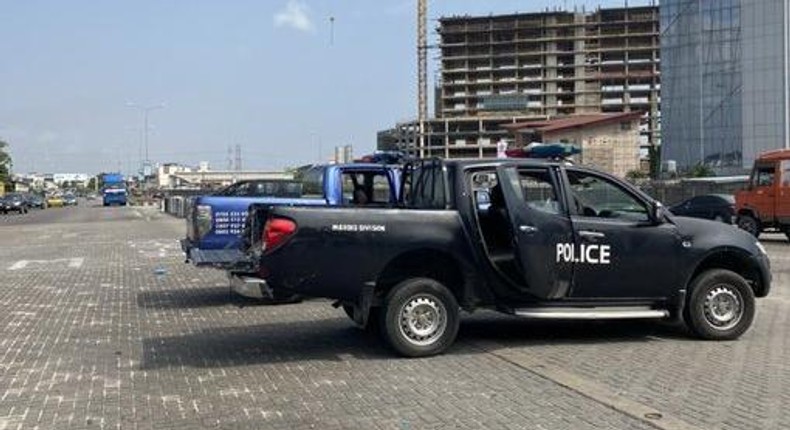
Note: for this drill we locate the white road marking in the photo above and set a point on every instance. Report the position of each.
(76, 263)
(72, 263)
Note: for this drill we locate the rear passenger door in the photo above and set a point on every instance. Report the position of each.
(539, 221)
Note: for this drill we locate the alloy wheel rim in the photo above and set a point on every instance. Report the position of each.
(723, 307)
(422, 320)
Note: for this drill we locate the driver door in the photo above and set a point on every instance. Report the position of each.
(618, 252)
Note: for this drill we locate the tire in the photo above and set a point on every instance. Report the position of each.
(420, 317)
(721, 305)
(786, 231)
(749, 224)
(718, 218)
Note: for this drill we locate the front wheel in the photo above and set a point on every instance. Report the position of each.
(786, 231)
(749, 224)
(721, 305)
(420, 317)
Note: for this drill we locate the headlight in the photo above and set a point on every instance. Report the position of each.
(761, 247)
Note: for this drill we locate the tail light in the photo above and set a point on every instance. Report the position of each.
(276, 232)
(203, 220)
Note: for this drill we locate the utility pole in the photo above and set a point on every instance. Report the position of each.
(422, 71)
(146, 110)
(230, 159)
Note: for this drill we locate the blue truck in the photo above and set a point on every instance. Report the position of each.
(215, 222)
(113, 189)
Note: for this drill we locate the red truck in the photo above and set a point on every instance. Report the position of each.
(765, 203)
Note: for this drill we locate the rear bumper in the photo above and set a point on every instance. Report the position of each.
(217, 258)
(250, 286)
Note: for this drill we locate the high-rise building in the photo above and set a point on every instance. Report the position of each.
(724, 73)
(521, 67)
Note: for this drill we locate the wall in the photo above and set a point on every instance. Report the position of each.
(607, 147)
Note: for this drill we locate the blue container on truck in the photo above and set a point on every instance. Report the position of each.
(215, 222)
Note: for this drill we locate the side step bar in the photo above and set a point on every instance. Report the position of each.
(600, 313)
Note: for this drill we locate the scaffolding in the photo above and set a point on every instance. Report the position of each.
(513, 68)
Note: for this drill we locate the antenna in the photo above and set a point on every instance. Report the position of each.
(238, 158)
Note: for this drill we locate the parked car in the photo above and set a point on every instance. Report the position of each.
(557, 242)
(55, 201)
(718, 207)
(15, 203)
(69, 199)
(36, 202)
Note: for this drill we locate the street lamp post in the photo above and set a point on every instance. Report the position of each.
(145, 110)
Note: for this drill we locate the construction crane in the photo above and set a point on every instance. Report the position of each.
(422, 72)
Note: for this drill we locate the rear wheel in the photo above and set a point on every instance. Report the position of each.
(721, 305)
(420, 317)
(749, 224)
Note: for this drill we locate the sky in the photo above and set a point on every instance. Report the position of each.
(273, 77)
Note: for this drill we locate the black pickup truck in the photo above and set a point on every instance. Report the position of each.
(531, 238)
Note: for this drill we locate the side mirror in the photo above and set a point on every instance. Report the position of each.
(656, 212)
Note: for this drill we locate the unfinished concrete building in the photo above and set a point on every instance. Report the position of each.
(521, 67)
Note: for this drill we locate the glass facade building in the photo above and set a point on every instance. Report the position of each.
(724, 75)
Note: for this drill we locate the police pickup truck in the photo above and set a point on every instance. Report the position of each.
(215, 222)
(552, 241)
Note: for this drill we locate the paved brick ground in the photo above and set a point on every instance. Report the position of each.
(103, 326)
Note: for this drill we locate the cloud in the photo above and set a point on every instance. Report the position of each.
(296, 16)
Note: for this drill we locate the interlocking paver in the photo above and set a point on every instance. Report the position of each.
(131, 337)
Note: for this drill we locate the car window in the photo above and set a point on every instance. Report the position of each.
(366, 187)
(599, 197)
(786, 173)
(275, 189)
(312, 181)
(763, 176)
(538, 190)
(423, 186)
(230, 190)
(244, 189)
(694, 201)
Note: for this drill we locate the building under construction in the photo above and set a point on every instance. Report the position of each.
(514, 68)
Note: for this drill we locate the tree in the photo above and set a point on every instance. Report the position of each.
(5, 163)
(701, 171)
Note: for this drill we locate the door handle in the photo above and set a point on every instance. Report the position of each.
(591, 234)
(528, 229)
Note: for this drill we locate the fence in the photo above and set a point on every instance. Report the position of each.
(676, 191)
(178, 202)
